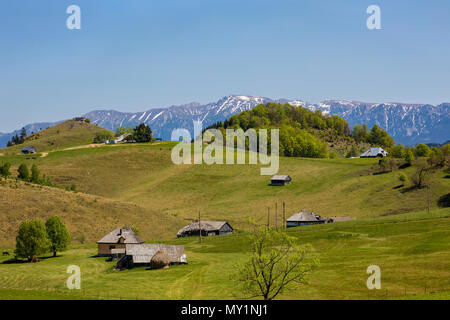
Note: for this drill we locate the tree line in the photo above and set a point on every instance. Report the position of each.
(141, 133)
(300, 129)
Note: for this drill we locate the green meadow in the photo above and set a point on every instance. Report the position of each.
(144, 175)
(412, 250)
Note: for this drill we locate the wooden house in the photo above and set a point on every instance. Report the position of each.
(28, 150)
(207, 228)
(140, 255)
(304, 218)
(114, 243)
(280, 180)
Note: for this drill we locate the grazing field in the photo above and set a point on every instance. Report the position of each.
(64, 135)
(143, 174)
(412, 250)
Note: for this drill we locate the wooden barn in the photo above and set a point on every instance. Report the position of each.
(208, 228)
(28, 150)
(280, 180)
(114, 243)
(141, 255)
(304, 218)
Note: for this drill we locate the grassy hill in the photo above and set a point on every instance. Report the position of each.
(85, 215)
(144, 174)
(65, 135)
(412, 250)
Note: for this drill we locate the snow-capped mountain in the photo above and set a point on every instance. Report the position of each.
(406, 123)
(164, 120)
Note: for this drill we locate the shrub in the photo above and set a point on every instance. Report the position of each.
(102, 136)
(4, 170)
(422, 150)
(24, 174)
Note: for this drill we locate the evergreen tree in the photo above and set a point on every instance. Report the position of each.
(142, 133)
(23, 135)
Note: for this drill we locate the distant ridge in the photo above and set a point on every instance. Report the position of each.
(406, 123)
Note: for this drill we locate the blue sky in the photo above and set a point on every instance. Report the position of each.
(142, 54)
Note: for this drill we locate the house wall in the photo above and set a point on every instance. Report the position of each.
(104, 249)
(290, 224)
(226, 229)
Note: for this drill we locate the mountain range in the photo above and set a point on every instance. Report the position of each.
(406, 123)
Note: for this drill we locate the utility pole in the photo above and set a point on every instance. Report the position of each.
(284, 215)
(428, 198)
(268, 217)
(276, 215)
(199, 227)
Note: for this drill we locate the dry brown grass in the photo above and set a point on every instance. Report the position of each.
(90, 215)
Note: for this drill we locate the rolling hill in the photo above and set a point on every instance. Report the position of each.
(87, 217)
(68, 134)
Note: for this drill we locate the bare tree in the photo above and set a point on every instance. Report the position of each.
(277, 264)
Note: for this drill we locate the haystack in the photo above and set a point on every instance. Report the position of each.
(160, 260)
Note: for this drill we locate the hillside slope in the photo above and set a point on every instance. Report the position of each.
(145, 175)
(64, 135)
(85, 215)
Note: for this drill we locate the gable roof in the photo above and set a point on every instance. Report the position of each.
(305, 216)
(205, 225)
(126, 233)
(28, 148)
(143, 253)
(281, 177)
(374, 152)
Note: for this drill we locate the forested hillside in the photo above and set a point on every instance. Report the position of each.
(306, 133)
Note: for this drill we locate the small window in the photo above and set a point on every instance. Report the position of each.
(112, 247)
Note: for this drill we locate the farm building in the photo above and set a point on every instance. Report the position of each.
(374, 153)
(304, 218)
(114, 243)
(280, 180)
(208, 228)
(139, 255)
(28, 150)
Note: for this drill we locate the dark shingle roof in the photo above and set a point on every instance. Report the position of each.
(127, 233)
(143, 253)
(205, 225)
(305, 216)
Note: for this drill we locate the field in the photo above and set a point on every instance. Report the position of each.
(143, 175)
(412, 250)
(138, 185)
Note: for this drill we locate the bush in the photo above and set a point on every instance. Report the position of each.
(403, 178)
(35, 174)
(102, 136)
(4, 170)
(422, 150)
(24, 174)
